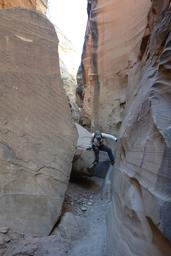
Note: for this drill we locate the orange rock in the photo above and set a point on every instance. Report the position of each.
(40, 5)
(112, 41)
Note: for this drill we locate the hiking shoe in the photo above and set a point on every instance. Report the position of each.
(112, 162)
(95, 163)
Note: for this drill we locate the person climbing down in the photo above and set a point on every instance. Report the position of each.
(97, 144)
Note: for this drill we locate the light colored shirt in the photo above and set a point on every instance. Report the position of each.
(97, 143)
(107, 136)
(85, 137)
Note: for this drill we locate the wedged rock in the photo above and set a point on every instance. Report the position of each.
(37, 136)
(82, 158)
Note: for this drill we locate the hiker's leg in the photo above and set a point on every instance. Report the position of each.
(96, 153)
(109, 152)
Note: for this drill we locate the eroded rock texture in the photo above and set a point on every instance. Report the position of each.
(141, 207)
(39, 5)
(68, 59)
(124, 80)
(36, 132)
(112, 43)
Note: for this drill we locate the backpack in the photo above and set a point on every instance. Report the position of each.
(98, 138)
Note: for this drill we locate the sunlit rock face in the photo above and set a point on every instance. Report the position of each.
(129, 85)
(68, 59)
(112, 43)
(37, 136)
(39, 5)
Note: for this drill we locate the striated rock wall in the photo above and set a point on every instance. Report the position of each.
(125, 86)
(39, 5)
(111, 48)
(37, 136)
(141, 210)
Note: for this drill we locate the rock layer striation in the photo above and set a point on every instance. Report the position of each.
(125, 85)
(111, 48)
(142, 179)
(36, 131)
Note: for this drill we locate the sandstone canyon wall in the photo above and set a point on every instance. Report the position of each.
(125, 86)
(37, 136)
(39, 5)
(111, 36)
(68, 61)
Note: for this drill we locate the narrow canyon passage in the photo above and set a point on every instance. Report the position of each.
(84, 223)
(54, 98)
(81, 230)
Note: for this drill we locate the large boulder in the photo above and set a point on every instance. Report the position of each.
(37, 136)
(83, 158)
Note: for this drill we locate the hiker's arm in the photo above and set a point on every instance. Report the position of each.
(109, 136)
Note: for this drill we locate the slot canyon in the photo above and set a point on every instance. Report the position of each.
(50, 204)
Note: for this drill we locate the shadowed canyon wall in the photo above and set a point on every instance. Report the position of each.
(125, 87)
(37, 136)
